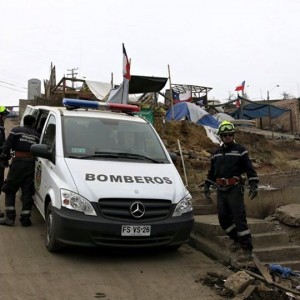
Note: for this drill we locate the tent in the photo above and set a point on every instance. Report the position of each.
(193, 113)
(137, 84)
(237, 122)
(223, 117)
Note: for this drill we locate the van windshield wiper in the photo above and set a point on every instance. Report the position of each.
(96, 154)
(117, 155)
(137, 156)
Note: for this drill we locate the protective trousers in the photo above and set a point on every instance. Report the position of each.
(20, 175)
(232, 215)
(2, 169)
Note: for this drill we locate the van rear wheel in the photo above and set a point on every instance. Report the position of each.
(51, 242)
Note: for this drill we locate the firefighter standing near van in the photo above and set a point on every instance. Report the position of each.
(3, 164)
(229, 162)
(21, 171)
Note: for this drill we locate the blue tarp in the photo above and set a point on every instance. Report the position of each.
(256, 110)
(193, 113)
(285, 272)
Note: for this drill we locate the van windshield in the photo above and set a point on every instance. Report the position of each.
(91, 138)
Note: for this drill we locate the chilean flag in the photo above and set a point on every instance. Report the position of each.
(120, 95)
(240, 87)
(182, 97)
(126, 65)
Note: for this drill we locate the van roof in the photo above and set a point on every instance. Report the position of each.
(92, 113)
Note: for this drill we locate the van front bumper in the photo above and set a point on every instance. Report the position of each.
(75, 228)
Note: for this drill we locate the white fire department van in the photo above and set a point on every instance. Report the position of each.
(104, 178)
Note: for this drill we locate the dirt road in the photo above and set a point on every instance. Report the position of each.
(28, 271)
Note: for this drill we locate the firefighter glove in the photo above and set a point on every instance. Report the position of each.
(253, 192)
(206, 191)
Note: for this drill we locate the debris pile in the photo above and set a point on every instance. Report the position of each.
(243, 285)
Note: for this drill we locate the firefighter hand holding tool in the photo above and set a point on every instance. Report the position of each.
(253, 192)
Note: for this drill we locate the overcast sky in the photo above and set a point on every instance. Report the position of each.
(213, 43)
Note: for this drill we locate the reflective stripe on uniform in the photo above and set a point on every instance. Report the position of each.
(245, 232)
(10, 208)
(25, 212)
(230, 228)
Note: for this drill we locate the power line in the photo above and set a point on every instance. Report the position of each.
(7, 87)
(5, 82)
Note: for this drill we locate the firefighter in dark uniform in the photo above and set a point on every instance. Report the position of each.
(3, 164)
(229, 165)
(21, 171)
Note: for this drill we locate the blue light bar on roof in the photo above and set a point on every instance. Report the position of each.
(77, 103)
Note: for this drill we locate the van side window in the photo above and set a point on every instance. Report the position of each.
(40, 123)
(49, 134)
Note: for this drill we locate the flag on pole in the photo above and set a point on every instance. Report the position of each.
(126, 64)
(120, 95)
(240, 87)
(182, 97)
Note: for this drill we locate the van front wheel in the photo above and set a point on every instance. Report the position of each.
(51, 242)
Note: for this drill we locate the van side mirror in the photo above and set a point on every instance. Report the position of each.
(41, 150)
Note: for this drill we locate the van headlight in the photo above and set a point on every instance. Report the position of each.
(74, 201)
(183, 206)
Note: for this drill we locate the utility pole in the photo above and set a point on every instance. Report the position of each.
(73, 74)
(269, 106)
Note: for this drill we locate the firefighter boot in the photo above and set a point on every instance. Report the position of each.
(9, 219)
(245, 256)
(1, 214)
(235, 246)
(25, 221)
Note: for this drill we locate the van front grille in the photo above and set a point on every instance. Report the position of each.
(119, 209)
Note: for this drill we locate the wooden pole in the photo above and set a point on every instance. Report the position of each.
(291, 122)
(242, 104)
(171, 96)
(184, 171)
(112, 80)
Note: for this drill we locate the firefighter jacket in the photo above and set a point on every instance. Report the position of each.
(2, 134)
(20, 139)
(230, 161)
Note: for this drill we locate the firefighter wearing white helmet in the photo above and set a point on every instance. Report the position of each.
(3, 113)
(229, 162)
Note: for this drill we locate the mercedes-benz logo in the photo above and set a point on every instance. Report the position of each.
(137, 209)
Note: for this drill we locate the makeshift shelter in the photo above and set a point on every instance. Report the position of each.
(193, 113)
(223, 117)
(146, 84)
(237, 122)
(252, 110)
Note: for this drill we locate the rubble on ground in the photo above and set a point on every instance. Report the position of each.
(244, 286)
(288, 214)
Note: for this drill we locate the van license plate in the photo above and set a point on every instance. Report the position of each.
(133, 230)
